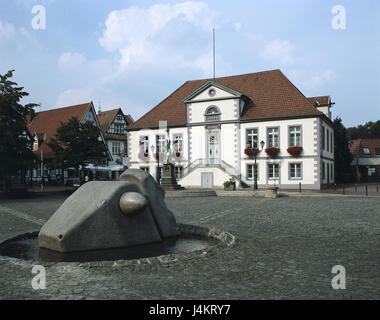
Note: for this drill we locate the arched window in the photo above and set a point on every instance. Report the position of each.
(212, 113)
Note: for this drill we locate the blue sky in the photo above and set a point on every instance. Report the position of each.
(133, 54)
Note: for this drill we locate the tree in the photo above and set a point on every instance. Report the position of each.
(343, 156)
(15, 147)
(77, 145)
(369, 130)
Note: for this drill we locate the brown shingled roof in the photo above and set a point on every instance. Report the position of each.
(46, 123)
(323, 100)
(270, 95)
(356, 147)
(105, 119)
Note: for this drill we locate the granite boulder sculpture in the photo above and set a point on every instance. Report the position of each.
(110, 214)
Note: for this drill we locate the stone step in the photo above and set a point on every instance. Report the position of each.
(190, 193)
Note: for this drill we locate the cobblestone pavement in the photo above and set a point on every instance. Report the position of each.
(285, 249)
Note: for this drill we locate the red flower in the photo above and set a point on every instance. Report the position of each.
(178, 154)
(146, 154)
(272, 151)
(295, 151)
(250, 151)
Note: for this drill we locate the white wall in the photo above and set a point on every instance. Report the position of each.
(136, 159)
(194, 179)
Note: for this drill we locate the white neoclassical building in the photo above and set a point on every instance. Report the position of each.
(213, 121)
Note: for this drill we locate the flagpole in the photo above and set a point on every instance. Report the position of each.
(213, 41)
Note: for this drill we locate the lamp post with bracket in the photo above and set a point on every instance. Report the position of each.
(262, 144)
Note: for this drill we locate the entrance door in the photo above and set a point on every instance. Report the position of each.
(213, 147)
(207, 179)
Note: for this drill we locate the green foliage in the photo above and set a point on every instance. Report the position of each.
(369, 130)
(15, 148)
(77, 144)
(343, 156)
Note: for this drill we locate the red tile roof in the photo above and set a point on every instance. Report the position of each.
(46, 123)
(105, 120)
(356, 147)
(270, 95)
(323, 100)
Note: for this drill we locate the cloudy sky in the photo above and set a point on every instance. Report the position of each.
(133, 54)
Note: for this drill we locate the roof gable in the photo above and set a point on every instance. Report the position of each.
(106, 118)
(208, 85)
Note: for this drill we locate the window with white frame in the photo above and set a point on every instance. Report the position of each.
(295, 136)
(178, 171)
(119, 117)
(323, 137)
(160, 143)
(371, 171)
(212, 114)
(252, 137)
(273, 137)
(116, 147)
(273, 171)
(144, 144)
(295, 170)
(323, 170)
(116, 128)
(366, 151)
(251, 171)
(328, 139)
(178, 142)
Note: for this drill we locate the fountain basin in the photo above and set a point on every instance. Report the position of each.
(191, 239)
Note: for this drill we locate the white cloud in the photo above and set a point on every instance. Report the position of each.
(7, 30)
(237, 26)
(278, 52)
(313, 80)
(162, 35)
(76, 96)
(70, 60)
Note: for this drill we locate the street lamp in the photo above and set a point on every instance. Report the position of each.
(262, 144)
(157, 155)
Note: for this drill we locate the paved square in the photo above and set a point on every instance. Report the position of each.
(285, 249)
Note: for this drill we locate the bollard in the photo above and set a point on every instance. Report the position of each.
(356, 187)
(366, 190)
(335, 186)
(344, 191)
(377, 188)
(300, 186)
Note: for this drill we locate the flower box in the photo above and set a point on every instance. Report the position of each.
(272, 151)
(295, 151)
(250, 151)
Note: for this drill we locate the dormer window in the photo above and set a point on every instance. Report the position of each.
(212, 114)
(366, 152)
